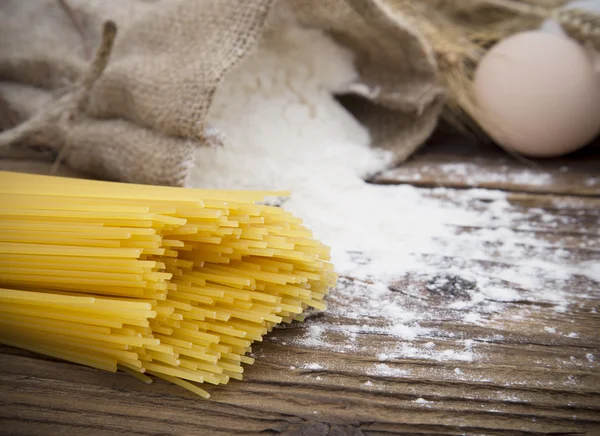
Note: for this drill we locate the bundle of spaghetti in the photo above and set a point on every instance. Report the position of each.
(173, 282)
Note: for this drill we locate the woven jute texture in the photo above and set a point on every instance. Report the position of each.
(134, 111)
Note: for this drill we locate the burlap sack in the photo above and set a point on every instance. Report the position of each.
(398, 97)
(143, 118)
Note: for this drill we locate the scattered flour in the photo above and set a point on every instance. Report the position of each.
(404, 331)
(408, 257)
(416, 351)
(471, 174)
(422, 401)
(383, 370)
(592, 181)
(512, 398)
(313, 366)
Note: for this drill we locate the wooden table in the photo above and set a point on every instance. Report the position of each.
(535, 374)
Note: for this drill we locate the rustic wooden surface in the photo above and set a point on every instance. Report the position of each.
(455, 164)
(528, 379)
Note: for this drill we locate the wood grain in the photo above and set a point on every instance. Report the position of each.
(458, 163)
(536, 370)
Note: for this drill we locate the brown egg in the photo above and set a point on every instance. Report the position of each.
(538, 94)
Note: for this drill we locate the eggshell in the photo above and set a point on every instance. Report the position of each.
(538, 94)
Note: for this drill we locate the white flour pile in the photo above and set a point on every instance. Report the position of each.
(285, 131)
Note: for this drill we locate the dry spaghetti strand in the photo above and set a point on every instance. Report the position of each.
(176, 283)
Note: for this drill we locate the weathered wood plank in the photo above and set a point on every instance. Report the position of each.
(522, 366)
(532, 376)
(458, 163)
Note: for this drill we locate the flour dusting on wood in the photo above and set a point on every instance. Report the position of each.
(410, 259)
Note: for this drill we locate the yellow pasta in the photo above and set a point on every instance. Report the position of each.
(175, 283)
